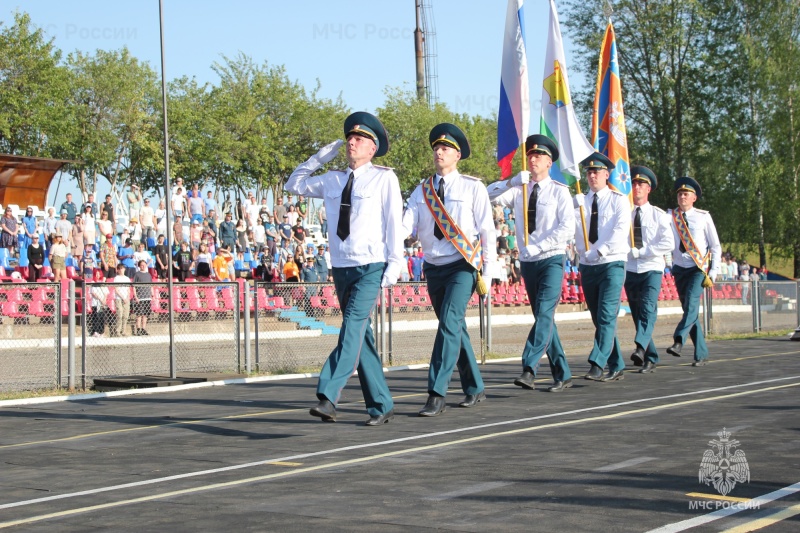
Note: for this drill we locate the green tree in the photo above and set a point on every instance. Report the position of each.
(33, 88)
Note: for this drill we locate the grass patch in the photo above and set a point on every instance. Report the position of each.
(743, 336)
(41, 393)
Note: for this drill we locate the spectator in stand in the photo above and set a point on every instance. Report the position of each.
(108, 256)
(265, 211)
(405, 272)
(227, 233)
(299, 257)
(77, 238)
(762, 273)
(99, 304)
(178, 203)
(321, 264)
(222, 263)
(64, 228)
(209, 203)
(512, 226)
(134, 201)
(259, 233)
(197, 206)
(89, 226)
(147, 219)
(516, 267)
(745, 276)
(49, 227)
(733, 267)
(252, 212)
(202, 261)
(209, 237)
(28, 227)
(177, 229)
(35, 258)
(302, 206)
(8, 239)
(241, 236)
(269, 270)
(195, 234)
(91, 203)
(141, 254)
(284, 253)
(280, 208)
(162, 258)
(271, 234)
(502, 242)
(178, 187)
(71, 209)
(299, 233)
(724, 271)
(285, 230)
(135, 232)
(291, 273)
(322, 217)
(122, 300)
(58, 257)
(211, 223)
(497, 214)
(415, 266)
(291, 215)
(309, 273)
(104, 226)
(125, 257)
(107, 207)
(143, 294)
(161, 218)
(88, 260)
(183, 262)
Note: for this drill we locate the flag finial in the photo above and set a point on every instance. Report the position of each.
(608, 10)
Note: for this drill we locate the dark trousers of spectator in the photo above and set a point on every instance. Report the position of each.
(96, 320)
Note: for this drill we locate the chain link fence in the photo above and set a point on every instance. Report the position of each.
(282, 327)
(30, 329)
(126, 329)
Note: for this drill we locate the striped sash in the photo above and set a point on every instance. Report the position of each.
(473, 253)
(688, 242)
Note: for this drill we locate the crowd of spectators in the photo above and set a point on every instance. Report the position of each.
(209, 243)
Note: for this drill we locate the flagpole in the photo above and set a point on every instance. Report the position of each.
(524, 192)
(583, 215)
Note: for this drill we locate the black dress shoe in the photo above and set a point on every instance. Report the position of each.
(471, 400)
(638, 356)
(526, 379)
(700, 363)
(675, 349)
(595, 374)
(434, 406)
(380, 419)
(648, 368)
(559, 386)
(325, 410)
(614, 376)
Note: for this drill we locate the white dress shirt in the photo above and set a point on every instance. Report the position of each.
(375, 215)
(704, 235)
(614, 227)
(467, 203)
(555, 217)
(657, 240)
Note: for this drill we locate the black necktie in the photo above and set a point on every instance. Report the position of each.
(440, 193)
(637, 229)
(593, 221)
(532, 208)
(686, 222)
(343, 227)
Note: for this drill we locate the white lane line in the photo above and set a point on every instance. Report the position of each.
(755, 503)
(292, 458)
(625, 464)
(466, 491)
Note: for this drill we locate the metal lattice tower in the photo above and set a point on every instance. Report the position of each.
(430, 51)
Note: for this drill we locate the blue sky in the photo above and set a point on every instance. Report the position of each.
(355, 49)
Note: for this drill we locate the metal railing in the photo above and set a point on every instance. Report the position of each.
(67, 334)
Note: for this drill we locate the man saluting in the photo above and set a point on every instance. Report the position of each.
(364, 205)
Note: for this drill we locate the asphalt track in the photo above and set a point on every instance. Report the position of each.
(620, 456)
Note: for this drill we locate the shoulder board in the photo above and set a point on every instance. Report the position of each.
(616, 192)
(381, 167)
(701, 211)
(470, 177)
(558, 183)
(658, 209)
